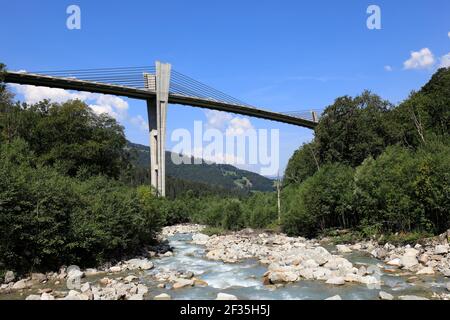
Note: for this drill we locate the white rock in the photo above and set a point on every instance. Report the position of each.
(396, 262)
(130, 278)
(310, 263)
(441, 249)
(385, 296)
(115, 269)
(338, 281)
(336, 297)
(409, 261)
(342, 248)
(21, 284)
(426, 270)
(33, 297)
(142, 289)
(448, 286)
(225, 296)
(46, 296)
(136, 297)
(142, 264)
(181, 283)
(162, 296)
(85, 287)
(200, 238)
(74, 279)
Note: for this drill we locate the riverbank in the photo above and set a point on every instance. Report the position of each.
(249, 265)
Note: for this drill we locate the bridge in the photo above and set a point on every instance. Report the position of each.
(159, 85)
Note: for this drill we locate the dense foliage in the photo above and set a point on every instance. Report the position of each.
(374, 167)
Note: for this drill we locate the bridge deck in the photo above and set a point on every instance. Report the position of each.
(144, 94)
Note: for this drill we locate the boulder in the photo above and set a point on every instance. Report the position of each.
(336, 263)
(136, 296)
(74, 279)
(441, 249)
(47, 296)
(409, 258)
(162, 296)
(72, 268)
(423, 258)
(142, 289)
(9, 276)
(21, 284)
(85, 287)
(342, 248)
(225, 296)
(385, 296)
(280, 277)
(181, 283)
(200, 238)
(130, 278)
(338, 281)
(448, 286)
(115, 269)
(426, 270)
(142, 264)
(33, 297)
(396, 262)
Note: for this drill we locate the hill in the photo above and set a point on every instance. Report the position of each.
(218, 175)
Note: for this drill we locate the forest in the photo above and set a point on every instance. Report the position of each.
(71, 192)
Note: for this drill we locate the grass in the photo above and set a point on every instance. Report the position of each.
(214, 231)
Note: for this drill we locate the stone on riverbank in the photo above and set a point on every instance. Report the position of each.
(225, 296)
(426, 270)
(142, 264)
(22, 284)
(385, 296)
(33, 297)
(342, 248)
(336, 297)
(181, 283)
(337, 281)
(162, 296)
(411, 297)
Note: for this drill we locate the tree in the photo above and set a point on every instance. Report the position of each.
(303, 164)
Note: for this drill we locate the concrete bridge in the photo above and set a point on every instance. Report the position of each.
(159, 85)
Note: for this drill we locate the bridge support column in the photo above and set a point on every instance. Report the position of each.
(157, 114)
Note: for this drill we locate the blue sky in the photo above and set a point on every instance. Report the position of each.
(280, 55)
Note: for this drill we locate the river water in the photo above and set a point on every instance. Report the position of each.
(244, 279)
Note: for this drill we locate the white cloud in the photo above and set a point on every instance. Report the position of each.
(445, 61)
(420, 59)
(388, 68)
(238, 126)
(217, 119)
(114, 106)
(448, 34)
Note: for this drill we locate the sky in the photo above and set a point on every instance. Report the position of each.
(278, 55)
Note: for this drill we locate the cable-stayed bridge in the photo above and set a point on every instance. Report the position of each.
(159, 85)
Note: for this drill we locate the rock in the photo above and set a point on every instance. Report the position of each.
(441, 249)
(39, 277)
(225, 296)
(162, 296)
(448, 286)
(336, 297)
(21, 284)
(73, 295)
(423, 258)
(385, 296)
(130, 278)
(336, 263)
(411, 297)
(115, 269)
(310, 263)
(142, 289)
(167, 254)
(181, 283)
(307, 273)
(370, 280)
(426, 270)
(379, 253)
(200, 283)
(342, 248)
(33, 297)
(45, 290)
(91, 272)
(351, 277)
(85, 287)
(280, 277)
(142, 264)
(338, 281)
(136, 297)
(396, 262)
(46, 296)
(200, 238)
(409, 258)
(9, 276)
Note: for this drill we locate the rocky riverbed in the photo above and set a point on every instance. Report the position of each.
(250, 265)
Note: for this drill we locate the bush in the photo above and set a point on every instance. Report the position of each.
(322, 201)
(48, 219)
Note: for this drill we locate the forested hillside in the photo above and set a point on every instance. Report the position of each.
(216, 175)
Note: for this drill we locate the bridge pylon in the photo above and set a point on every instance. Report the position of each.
(157, 115)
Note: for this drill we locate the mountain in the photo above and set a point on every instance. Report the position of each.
(217, 175)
